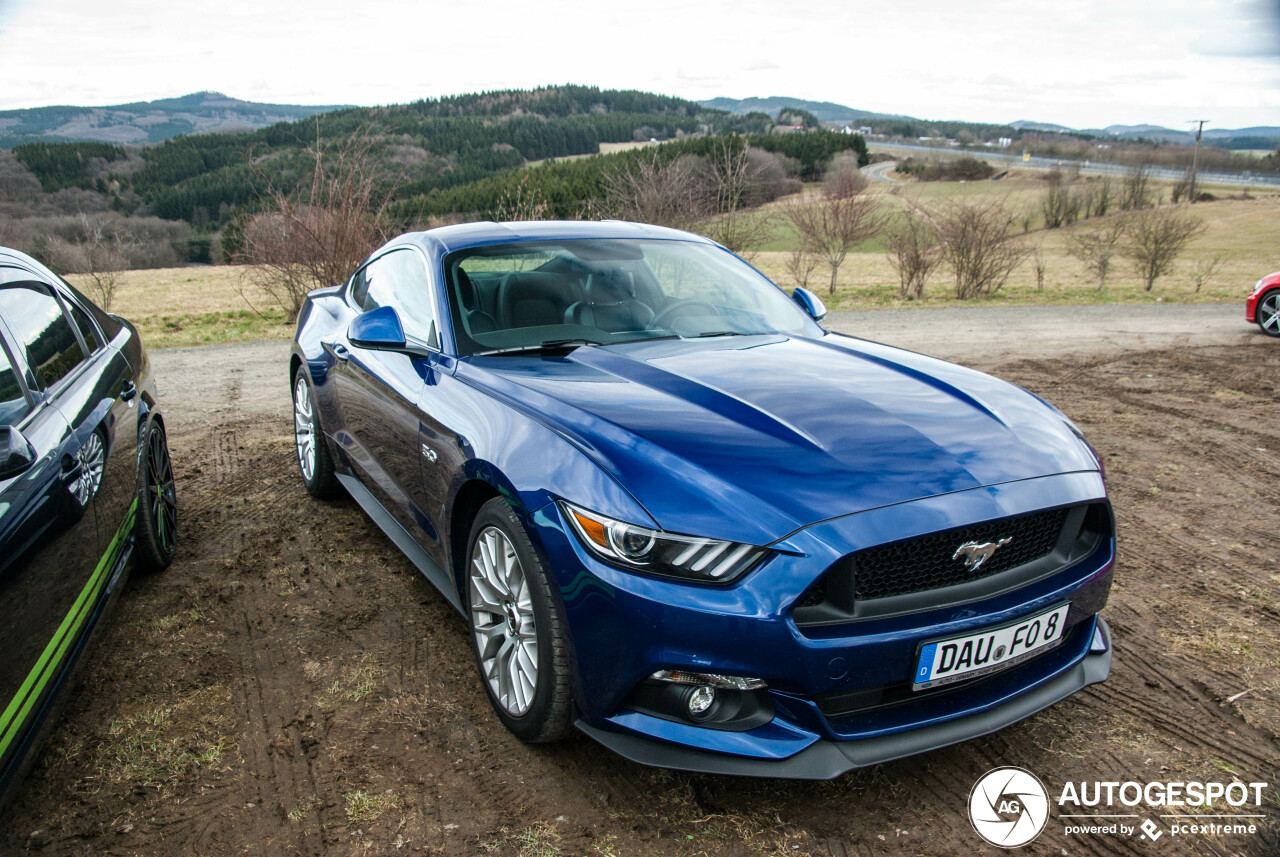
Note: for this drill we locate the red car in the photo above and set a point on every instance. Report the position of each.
(1263, 306)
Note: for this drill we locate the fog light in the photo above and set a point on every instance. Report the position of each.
(700, 701)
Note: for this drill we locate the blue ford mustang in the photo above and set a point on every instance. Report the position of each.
(681, 517)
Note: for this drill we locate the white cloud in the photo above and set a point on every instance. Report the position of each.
(1082, 64)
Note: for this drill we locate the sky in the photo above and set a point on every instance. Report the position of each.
(1082, 64)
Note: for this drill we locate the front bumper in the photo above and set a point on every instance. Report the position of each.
(623, 627)
(827, 759)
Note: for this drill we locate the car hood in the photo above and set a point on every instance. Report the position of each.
(751, 438)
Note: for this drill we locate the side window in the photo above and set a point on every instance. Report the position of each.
(41, 327)
(13, 400)
(86, 327)
(399, 279)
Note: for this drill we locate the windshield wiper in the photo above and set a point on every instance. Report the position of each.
(548, 346)
(719, 333)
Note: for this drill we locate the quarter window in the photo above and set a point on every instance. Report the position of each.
(87, 331)
(41, 327)
(399, 279)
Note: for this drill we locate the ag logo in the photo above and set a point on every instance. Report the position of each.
(1008, 807)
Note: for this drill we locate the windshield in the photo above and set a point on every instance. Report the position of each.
(509, 298)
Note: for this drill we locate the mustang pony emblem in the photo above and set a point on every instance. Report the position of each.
(977, 553)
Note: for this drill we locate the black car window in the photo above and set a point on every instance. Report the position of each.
(86, 327)
(13, 399)
(399, 279)
(41, 327)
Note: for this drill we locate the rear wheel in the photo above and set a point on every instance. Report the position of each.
(156, 527)
(314, 463)
(516, 629)
(1268, 314)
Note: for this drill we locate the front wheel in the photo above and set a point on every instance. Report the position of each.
(314, 463)
(1268, 314)
(156, 526)
(516, 628)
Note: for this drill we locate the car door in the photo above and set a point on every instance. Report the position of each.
(378, 391)
(99, 402)
(51, 581)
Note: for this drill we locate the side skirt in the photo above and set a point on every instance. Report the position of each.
(407, 544)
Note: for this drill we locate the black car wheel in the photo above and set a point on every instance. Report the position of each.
(314, 463)
(1268, 314)
(516, 628)
(157, 522)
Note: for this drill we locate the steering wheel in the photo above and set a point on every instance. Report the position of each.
(680, 308)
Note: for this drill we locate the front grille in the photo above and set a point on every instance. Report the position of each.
(920, 564)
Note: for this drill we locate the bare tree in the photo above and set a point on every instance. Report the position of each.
(1182, 188)
(978, 244)
(1060, 205)
(106, 254)
(1096, 197)
(732, 178)
(843, 177)
(800, 265)
(317, 235)
(914, 253)
(1102, 197)
(650, 191)
(1096, 247)
(1135, 191)
(1040, 265)
(831, 227)
(1204, 268)
(525, 202)
(1154, 239)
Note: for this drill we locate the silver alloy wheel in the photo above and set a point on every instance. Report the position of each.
(1269, 313)
(502, 616)
(92, 456)
(304, 432)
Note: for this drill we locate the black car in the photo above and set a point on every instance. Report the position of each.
(86, 487)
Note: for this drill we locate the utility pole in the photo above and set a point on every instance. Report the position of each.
(1195, 159)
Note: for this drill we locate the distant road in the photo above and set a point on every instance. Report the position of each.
(878, 172)
(1088, 167)
(989, 336)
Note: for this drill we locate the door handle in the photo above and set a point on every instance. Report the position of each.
(128, 392)
(340, 351)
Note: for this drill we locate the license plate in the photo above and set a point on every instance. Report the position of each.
(959, 658)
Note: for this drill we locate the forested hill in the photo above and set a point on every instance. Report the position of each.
(145, 121)
(424, 147)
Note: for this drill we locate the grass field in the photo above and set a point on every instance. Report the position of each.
(177, 307)
(207, 305)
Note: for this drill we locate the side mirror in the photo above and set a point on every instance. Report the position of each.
(16, 453)
(378, 329)
(810, 303)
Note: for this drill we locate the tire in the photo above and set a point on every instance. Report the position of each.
(507, 590)
(314, 462)
(1268, 313)
(156, 526)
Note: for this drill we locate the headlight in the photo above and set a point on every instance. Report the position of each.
(687, 557)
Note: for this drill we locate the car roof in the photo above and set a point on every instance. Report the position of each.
(20, 259)
(446, 239)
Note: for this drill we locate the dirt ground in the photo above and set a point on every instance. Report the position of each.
(293, 686)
